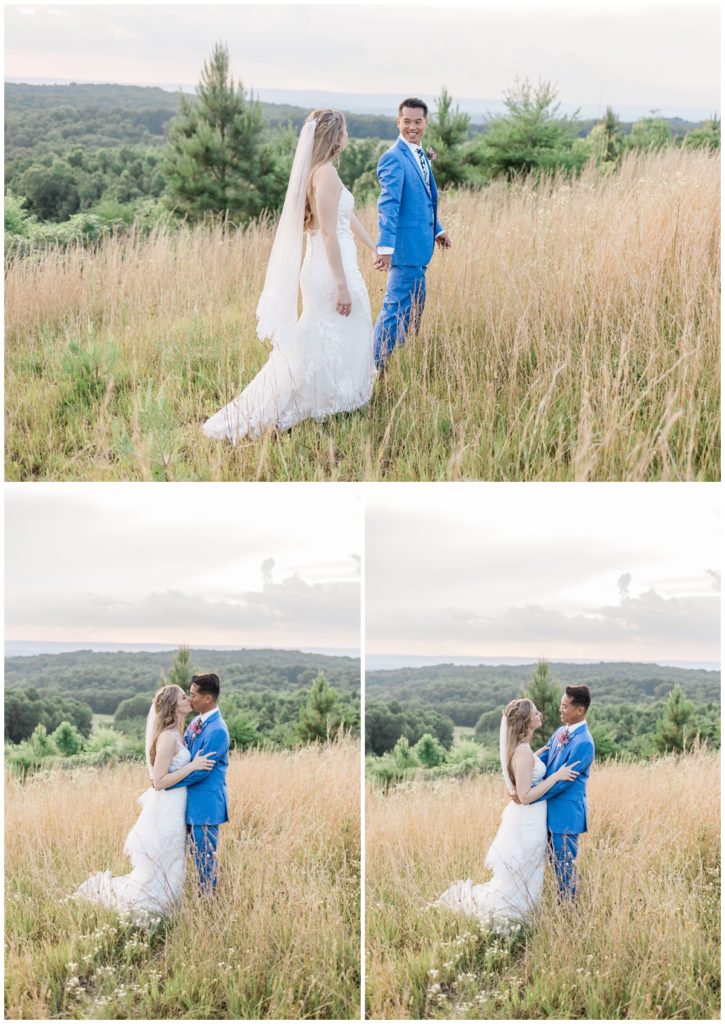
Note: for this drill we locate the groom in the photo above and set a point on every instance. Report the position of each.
(206, 805)
(409, 229)
(566, 802)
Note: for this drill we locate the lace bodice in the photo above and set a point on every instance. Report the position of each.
(180, 758)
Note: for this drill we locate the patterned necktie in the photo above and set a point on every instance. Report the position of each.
(423, 165)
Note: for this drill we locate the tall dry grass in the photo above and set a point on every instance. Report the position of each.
(571, 333)
(643, 941)
(281, 940)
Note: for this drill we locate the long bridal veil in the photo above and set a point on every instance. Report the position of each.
(277, 307)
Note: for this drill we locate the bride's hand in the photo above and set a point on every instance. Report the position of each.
(203, 762)
(566, 773)
(343, 301)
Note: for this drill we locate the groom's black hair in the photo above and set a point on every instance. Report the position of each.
(414, 103)
(580, 695)
(207, 682)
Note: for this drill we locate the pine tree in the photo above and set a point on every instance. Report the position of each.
(447, 136)
(546, 695)
(534, 135)
(180, 670)
(676, 729)
(214, 161)
(321, 717)
(429, 751)
(67, 739)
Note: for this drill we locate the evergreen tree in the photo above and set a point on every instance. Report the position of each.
(546, 695)
(676, 729)
(67, 739)
(534, 135)
(321, 717)
(606, 141)
(429, 751)
(180, 670)
(214, 159)
(447, 136)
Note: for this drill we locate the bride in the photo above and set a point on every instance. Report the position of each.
(323, 362)
(517, 855)
(155, 844)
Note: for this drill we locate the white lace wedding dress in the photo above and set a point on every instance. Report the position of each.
(517, 857)
(331, 366)
(156, 848)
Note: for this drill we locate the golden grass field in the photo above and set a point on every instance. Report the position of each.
(282, 939)
(643, 942)
(571, 333)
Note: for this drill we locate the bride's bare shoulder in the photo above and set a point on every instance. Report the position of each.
(523, 752)
(325, 174)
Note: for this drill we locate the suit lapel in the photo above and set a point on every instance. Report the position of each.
(417, 166)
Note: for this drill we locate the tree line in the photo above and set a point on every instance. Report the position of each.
(223, 153)
(43, 732)
(103, 680)
(403, 740)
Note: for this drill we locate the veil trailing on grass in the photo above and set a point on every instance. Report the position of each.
(277, 308)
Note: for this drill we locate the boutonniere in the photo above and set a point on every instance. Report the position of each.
(196, 727)
(564, 738)
(431, 153)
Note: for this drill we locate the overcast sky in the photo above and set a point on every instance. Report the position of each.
(272, 565)
(655, 55)
(610, 571)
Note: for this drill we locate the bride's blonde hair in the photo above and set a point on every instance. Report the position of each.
(326, 146)
(518, 715)
(165, 702)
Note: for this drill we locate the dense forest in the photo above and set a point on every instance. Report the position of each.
(638, 710)
(83, 160)
(103, 680)
(465, 692)
(271, 698)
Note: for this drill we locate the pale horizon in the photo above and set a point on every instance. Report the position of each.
(667, 55)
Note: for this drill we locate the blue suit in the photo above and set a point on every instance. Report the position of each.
(206, 803)
(566, 803)
(408, 224)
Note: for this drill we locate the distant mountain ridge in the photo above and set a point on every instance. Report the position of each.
(57, 117)
(103, 679)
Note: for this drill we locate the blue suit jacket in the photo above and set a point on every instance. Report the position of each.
(566, 802)
(407, 215)
(206, 802)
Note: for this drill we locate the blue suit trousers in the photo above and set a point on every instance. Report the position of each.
(403, 304)
(563, 851)
(204, 840)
